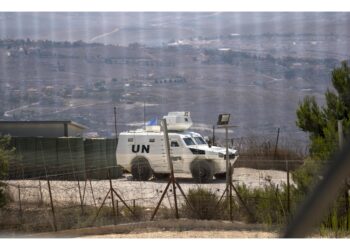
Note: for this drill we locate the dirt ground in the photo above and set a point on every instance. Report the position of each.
(171, 228)
(146, 193)
(192, 234)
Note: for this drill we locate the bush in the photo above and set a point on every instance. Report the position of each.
(203, 204)
(268, 204)
(138, 213)
(306, 176)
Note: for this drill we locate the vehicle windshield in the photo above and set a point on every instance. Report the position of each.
(188, 141)
(199, 140)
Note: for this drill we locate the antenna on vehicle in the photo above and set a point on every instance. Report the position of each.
(144, 114)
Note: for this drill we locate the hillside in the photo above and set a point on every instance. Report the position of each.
(79, 66)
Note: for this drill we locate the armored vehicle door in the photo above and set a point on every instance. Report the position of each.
(176, 153)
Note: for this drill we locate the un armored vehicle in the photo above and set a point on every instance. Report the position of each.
(142, 151)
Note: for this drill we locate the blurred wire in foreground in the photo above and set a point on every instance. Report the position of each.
(325, 192)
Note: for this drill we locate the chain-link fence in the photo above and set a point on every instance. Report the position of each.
(73, 184)
(57, 202)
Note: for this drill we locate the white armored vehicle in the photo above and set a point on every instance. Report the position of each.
(142, 152)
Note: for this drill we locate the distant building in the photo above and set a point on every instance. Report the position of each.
(49, 90)
(41, 128)
(78, 92)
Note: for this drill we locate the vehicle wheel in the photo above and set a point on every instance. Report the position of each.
(141, 169)
(161, 176)
(202, 170)
(220, 176)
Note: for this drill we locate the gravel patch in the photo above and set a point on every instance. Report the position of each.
(145, 194)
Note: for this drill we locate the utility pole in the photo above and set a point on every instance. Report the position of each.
(116, 134)
(278, 135)
(223, 122)
(115, 124)
(228, 173)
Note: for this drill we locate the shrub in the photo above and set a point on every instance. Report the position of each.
(306, 175)
(203, 204)
(137, 214)
(268, 204)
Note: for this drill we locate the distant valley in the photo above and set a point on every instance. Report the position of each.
(78, 66)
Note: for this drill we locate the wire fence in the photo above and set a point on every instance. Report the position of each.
(76, 198)
(58, 202)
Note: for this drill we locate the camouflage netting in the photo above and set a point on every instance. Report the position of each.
(70, 154)
(46, 157)
(111, 147)
(66, 158)
(95, 158)
(23, 165)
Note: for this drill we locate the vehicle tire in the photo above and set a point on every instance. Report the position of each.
(141, 169)
(202, 170)
(220, 176)
(161, 176)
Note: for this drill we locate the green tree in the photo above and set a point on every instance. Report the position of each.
(321, 122)
(5, 156)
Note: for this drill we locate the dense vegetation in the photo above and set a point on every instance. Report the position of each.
(322, 125)
(321, 122)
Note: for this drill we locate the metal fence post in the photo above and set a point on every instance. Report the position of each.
(117, 207)
(112, 196)
(346, 196)
(52, 207)
(41, 192)
(92, 193)
(288, 188)
(20, 202)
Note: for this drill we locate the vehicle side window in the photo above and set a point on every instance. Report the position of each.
(199, 140)
(152, 140)
(189, 141)
(174, 144)
(130, 139)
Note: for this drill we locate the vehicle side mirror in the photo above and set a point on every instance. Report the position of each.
(208, 140)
